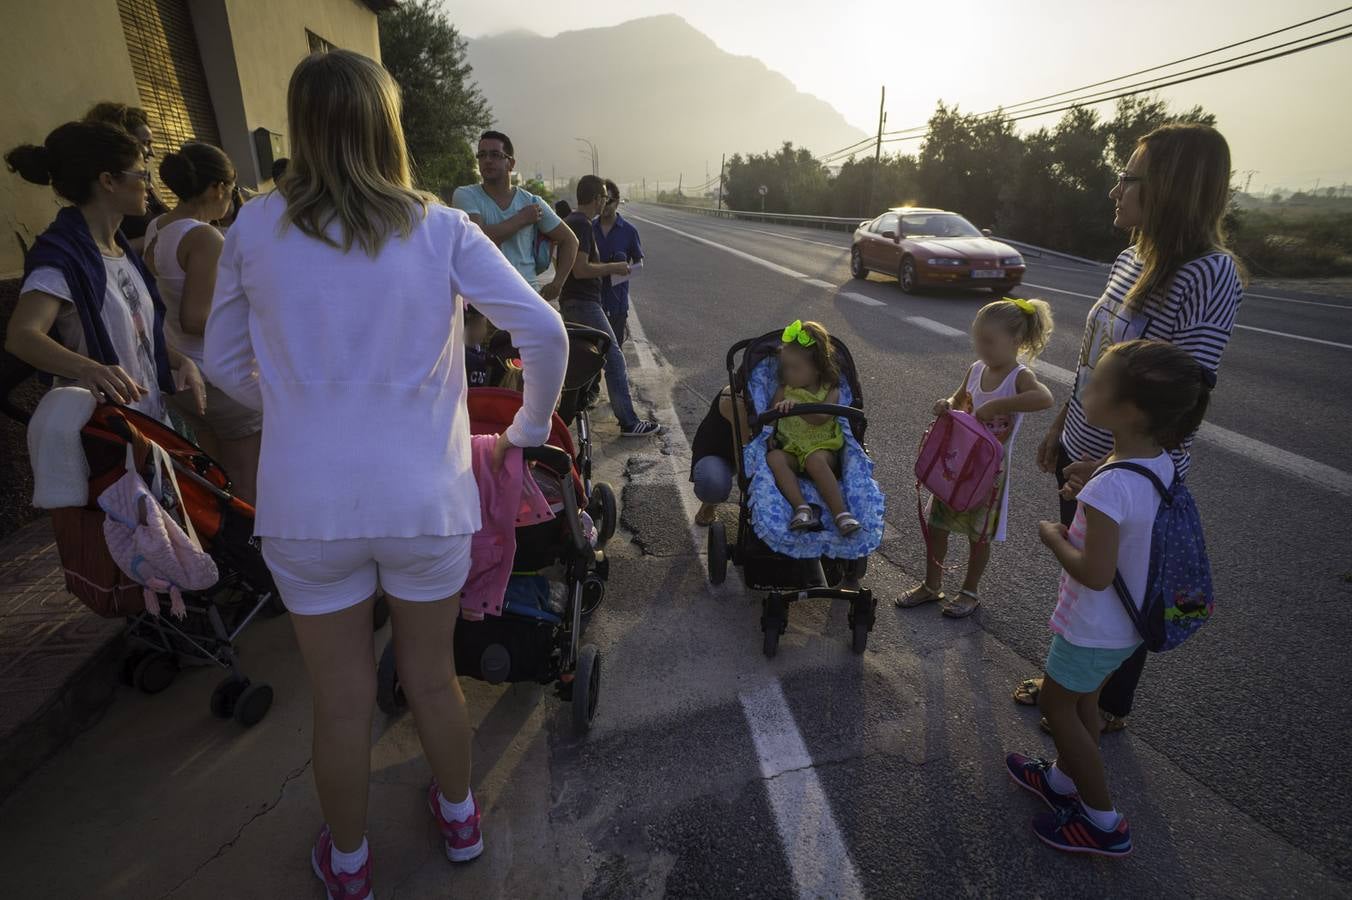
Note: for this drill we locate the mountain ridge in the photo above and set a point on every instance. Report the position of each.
(652, 93)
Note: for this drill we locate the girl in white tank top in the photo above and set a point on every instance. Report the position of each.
(182, 250)
(998, 389)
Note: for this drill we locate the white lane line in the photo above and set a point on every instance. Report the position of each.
(936, 327)
(817, 282)
(812, 842)
(1284, 460)
(1344, 307)
(1298, 337)
(756, 260)
(817, 856)
(860, 298)
(1285, 334)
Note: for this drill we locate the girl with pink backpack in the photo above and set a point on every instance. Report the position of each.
(964, 458)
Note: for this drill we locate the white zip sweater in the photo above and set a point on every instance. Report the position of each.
(358, 365)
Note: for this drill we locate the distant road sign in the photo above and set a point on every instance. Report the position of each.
(762, 190)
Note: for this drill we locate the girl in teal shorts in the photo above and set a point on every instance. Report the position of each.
(809, 445)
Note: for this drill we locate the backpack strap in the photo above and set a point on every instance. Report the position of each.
(1165, 496)
(1136, 616)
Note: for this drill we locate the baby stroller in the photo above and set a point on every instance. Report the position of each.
(587, 349)
(788, 565)
(224, 523)
(529, 642)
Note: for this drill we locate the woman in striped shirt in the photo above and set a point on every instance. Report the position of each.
(1177, 283)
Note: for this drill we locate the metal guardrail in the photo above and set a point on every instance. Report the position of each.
(850, 223)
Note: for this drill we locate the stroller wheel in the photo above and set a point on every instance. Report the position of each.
(604, 511)
(389, 695)
(380, 613)
(225, 696)
(718, 553)
(154, 672)
(129, 664)
(586, 687)
(860, 642)
(253, 704)
(770, 642)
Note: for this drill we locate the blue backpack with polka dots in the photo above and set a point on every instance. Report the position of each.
(1178, 594)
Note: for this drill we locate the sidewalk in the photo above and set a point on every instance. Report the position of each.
(58, 661)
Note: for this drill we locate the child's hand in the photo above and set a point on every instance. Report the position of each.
(942, 406)
(984, 414)
(1052, 533)
(784, 406)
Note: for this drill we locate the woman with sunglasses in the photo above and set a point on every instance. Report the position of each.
(134, 121)
(1176, 283)
(82, 278)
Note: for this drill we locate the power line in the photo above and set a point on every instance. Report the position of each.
(1179, 61)
(919, 131)
(1241, 65)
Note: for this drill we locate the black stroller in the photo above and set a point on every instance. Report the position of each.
(587, 349)
(528, 642)
(789, 578)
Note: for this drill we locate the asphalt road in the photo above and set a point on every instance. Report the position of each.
(712, 772)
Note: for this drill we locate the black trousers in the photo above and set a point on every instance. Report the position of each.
(1120, 690)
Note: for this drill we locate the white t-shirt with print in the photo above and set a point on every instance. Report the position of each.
(128, 315)
(1090, 618)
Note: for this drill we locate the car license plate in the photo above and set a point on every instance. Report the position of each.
(988, 273)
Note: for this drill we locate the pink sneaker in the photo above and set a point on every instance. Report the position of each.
(339, 885)
(464, 840)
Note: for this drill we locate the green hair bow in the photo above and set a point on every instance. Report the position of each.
(796, 332)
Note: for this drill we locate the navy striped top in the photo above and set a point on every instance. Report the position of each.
(1197, 314)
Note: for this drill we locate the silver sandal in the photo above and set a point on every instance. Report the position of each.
(847, 524)
(805, 518)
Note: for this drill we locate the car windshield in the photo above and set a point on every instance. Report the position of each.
(944, 225)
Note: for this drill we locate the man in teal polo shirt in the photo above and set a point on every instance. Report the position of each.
(512, 217)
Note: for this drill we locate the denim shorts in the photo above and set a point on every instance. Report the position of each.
(1083, 669)
(319, 577)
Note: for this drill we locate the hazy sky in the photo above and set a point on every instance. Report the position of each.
(1289, 119)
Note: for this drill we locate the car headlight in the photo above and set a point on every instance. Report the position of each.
(947, 261)
(1012, 261)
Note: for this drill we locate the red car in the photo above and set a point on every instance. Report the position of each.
(933, 248)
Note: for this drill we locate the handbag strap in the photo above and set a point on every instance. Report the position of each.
(164, 466)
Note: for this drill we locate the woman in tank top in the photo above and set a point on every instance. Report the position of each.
(182, 250)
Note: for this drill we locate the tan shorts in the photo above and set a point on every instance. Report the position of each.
(226, 418)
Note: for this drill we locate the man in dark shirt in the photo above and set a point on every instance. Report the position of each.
(580, 302)
(617, 241)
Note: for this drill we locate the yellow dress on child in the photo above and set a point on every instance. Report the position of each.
(800, 438)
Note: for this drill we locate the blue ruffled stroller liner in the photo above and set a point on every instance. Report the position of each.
(770, 512)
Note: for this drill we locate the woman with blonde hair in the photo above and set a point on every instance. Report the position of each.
(1176, 283)
(338, 313)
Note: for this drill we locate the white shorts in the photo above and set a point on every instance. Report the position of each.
(319, 577)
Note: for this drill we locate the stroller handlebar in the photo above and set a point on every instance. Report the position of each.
(554, 458)
(809, 409)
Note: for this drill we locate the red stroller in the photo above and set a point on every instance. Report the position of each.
(216, 617)
(531, 644)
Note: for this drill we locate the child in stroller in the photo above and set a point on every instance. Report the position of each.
(533, 641)
(796, 564)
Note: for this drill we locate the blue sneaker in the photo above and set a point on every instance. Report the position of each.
(1069, 829)
(1030, 773)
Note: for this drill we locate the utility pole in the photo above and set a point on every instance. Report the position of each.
(877, 150)
(721, 166)
(553, 178)
(680, 180)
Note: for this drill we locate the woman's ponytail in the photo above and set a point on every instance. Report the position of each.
(32, 162)
(194, 168)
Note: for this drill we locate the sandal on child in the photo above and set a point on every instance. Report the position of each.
(847, 524)
(1027, 691)
(962, 604)
(918, 596)
(805, 518)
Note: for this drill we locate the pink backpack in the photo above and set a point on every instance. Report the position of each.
(958, 463)
(146, 541)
